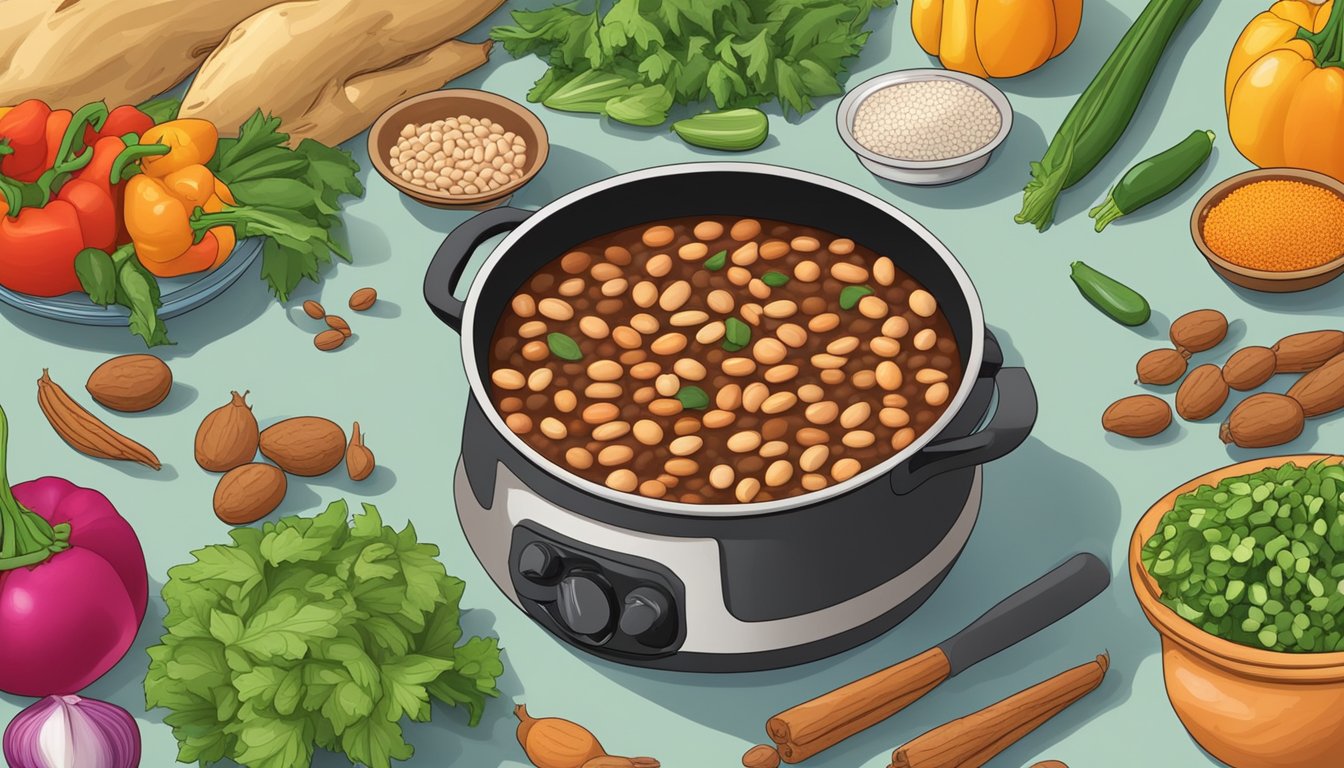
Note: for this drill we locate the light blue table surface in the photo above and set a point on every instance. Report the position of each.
(1069, 488)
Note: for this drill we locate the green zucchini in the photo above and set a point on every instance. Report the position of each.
(735, 130)
(1154, 178)
(1103, 110)
(1120, 302)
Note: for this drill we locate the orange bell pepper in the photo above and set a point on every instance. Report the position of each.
(172, 185)
(1284, 90)
(995, 38)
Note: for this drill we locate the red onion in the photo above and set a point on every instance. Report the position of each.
(72, 732)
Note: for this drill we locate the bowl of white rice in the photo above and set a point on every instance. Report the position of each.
(924, 126)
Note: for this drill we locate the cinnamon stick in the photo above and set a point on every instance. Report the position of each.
(823, 722)
(975, 739)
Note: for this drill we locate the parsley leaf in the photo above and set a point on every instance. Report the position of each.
(739, 52)
(291, 197)
(308, 632)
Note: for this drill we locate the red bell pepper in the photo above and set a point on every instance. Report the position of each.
(72, 206)
(33, 132)
(120, 121)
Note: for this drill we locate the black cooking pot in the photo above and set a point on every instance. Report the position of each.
(781, 559)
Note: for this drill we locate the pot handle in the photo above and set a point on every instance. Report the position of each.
(1007, 429)
(445, 269)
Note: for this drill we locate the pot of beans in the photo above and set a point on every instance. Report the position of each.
(723, 416)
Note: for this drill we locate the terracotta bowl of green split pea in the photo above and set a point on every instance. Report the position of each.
(1247, 706)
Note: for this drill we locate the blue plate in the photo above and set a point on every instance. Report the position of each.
(178, 294)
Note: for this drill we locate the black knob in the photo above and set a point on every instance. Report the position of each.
(585, 604)
(539, 562)
(645, 610)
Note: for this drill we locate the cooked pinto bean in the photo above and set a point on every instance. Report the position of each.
(743, 383)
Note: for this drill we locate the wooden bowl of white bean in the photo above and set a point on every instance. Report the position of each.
(458, 148)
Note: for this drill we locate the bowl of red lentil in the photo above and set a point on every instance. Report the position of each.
(458, 148)
(1277, 230)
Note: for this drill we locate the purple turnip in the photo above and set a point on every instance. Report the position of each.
(73, 585)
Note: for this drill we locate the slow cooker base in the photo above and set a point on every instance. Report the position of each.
(711, 639)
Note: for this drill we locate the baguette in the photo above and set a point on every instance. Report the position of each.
(71, 52)
(328, 68)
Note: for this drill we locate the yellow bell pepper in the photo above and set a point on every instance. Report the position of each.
(995, 38)
(1284, 90)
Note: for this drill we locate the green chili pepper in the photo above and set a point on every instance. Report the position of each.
(1154, 178)
(1120, 302)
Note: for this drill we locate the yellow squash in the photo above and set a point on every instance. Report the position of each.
(995, 38)
(1285, 88)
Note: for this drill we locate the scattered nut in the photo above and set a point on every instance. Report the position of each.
(329, 340)
(1202, 393)
(314, 310)
(761, 756)
(363, 299)
(1137, 416)
(1199, 330)
(1262, 421)
(338, 323)
(1308, 351)
(1250, 367)
(130, 383)
(305, 445)
(248, 493)
(1162, 366)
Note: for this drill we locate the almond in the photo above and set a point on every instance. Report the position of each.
(1250, 367)
(1322, 390)
(1308, 351)
(1262, 421)
(363, 299)
(130, 383)
(1199, 330)
(329, 340)
(1137, 416)
(228, 436)
(314, 310)
(1162, 366)
(248, 493)
(1201, 394)
(337, 323)
(305, 445)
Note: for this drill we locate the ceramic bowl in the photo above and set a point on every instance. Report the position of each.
(921, 172)
(1259, 279)
(437, 105)
(1248, 707)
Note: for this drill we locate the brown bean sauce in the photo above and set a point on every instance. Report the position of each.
(646, 311)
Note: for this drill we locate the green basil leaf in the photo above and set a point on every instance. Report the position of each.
(563, 346)
(717, 261)
(693, 398)
(97, 275)
(774, 279)
(850, 295)
(736, 333)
